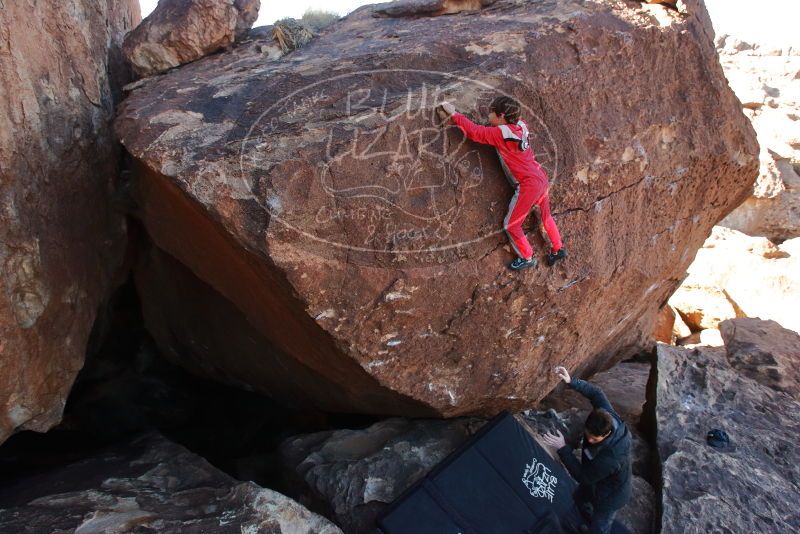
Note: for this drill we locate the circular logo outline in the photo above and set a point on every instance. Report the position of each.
(428, 250)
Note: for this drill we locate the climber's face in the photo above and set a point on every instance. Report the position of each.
(496, 120)
(594, 440)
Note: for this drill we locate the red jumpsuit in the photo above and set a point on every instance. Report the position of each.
(524, 173)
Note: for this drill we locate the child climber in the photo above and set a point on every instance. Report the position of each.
(509, 135)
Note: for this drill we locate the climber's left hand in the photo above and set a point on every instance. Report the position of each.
(445, 110)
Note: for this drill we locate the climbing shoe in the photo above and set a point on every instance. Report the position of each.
(553, 257)
(519, 264)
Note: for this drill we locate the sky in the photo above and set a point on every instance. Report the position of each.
(272, 10)
(763, 21)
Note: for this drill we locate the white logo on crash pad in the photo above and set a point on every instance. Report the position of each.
(539, 481)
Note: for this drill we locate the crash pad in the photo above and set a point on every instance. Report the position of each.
(501, 481)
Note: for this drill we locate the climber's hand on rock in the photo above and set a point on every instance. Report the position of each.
(563, 374)
(555, 441)
(444, 110)
(448, 108)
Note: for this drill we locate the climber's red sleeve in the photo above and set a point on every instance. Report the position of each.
(488, 135)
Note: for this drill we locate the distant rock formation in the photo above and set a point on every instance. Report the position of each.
(61, 242)
(180, 31)
(317, 236)
(766, 80)
(736, 275)
(412, 8)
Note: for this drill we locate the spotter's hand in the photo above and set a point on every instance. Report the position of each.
(563, 374)
(555, 441)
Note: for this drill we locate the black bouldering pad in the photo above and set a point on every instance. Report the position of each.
(501, 481)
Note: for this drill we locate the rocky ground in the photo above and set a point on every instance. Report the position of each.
(149, 485)
(749, 486)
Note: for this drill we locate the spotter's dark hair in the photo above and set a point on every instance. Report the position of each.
(599, 422)
(506, 106)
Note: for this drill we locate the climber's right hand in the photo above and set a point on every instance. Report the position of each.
(563, 374)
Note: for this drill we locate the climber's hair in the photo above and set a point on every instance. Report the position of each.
(506, 106)
(599, 422)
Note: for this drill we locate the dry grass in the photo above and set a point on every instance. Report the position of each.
(291, 34)
(317, 19)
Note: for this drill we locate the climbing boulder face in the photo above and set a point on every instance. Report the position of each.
(748, 486)
(149, 485)
(180, 31)
(357, 243)
(61, 243)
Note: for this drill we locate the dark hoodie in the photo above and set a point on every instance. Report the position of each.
(604, 472)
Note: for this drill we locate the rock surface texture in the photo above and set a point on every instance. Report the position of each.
(765, 352)
(151, 485)
(752, 486)
(181, 31)
(357, 244)
(61, 242)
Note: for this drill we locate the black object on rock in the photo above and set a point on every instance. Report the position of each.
(718, 438)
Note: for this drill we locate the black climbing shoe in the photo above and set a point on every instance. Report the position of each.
(553, 257)
(519, 264)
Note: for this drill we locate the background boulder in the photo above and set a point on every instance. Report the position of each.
(61, 242)
(735, 275)
(765, 80)
(180, 31)
(765, 352)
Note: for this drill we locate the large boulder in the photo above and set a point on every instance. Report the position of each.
(149, 485)
(357, 244)
(61, 242)
(751, 486)
(180, 31)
